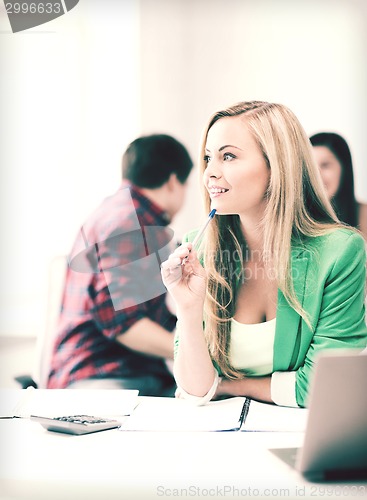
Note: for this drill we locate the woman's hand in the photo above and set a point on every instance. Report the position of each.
(184, 277)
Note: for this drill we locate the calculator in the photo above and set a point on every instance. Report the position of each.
(76, 424)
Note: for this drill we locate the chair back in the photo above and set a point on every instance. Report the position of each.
(45, 340)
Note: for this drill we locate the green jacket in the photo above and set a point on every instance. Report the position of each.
(329, 275)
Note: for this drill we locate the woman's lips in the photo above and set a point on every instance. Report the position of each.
(216, 191)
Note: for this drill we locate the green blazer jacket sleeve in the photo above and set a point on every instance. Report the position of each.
(329, 280)
(329, 276)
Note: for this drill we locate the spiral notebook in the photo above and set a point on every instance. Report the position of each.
(232, 414)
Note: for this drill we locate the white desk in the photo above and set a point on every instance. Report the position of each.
(116, 465)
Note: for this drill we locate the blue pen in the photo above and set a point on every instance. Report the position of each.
(199, 235)
(202, 230)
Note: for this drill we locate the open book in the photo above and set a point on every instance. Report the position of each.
(62, 402)
(233, 414)
(268, 417)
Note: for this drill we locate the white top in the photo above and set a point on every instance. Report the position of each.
(252, 350)
(252, 347)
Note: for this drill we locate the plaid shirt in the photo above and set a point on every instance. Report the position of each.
(112, 281)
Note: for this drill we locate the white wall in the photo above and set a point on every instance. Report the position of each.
(69, 100)
(199, 56)
(75, 91)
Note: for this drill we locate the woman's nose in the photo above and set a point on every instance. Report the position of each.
(213, 170)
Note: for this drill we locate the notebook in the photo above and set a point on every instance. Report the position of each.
(170, 414)
(335, 442)
(231, 414)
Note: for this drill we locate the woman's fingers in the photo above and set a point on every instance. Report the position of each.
(177, 257)
(171, 263)
(171, 269)
(171, 272)
(183, 275)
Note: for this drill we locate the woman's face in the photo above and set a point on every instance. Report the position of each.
(330, 169)
(236, 175)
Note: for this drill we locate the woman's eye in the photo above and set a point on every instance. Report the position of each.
(228, 156)
(207, 158)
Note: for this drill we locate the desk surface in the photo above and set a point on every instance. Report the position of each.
(37, 464)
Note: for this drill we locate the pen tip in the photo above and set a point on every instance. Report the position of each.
(212, 213)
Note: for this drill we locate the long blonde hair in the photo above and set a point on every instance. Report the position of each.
(297, 207)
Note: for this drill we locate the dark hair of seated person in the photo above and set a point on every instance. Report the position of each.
(344, 202)
(149, 161)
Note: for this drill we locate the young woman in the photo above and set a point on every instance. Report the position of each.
(334, 159)
(277, 278)
(335, 162)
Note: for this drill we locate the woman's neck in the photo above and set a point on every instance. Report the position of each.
(254, 238)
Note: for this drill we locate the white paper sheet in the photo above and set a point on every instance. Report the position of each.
(267, 417)
(169, 414)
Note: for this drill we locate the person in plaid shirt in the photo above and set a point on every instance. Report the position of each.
(115, 326)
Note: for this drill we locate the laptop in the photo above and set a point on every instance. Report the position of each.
(335, 442)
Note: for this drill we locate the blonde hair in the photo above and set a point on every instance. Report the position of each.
(297, 207)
